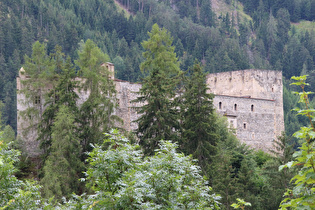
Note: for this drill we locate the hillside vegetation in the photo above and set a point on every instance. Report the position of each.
(65, 38)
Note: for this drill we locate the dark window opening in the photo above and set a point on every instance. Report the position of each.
(245, 125)
(37, 100)
(252, 108)
(220, 105)
(235, 107)
(56, 98)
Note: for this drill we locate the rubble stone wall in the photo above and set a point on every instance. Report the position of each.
(252, 101)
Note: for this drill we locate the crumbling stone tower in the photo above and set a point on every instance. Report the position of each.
(252, 101)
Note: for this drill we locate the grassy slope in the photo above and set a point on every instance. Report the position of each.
(304, 25)
(121, 8)
(221, 7)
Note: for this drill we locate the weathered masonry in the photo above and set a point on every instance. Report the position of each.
(250, 99)
(26, 129)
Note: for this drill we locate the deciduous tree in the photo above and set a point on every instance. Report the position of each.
(96, 113)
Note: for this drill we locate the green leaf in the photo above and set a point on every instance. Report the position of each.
(289, 164)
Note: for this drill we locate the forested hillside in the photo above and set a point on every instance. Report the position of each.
(221, 42)
(69, 35)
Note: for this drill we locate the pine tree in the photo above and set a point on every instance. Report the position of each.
(199, 131)
(96, 113)
(63, 166)
(159, 118)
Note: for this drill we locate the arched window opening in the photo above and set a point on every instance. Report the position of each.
(252, 108)
(220, 105)
(235, 107)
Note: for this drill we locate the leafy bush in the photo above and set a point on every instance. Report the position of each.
(15, 194)
(302, 196)
(122, 178)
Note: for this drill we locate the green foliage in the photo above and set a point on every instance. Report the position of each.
(252, 175)
(159, 119)
(199, 130)
(241, 204)
(62, 94)
(63, 166)
(96, 113)
(15, 194)
(267, 45)
(40, 68)
(277, 181)
(302, 196)
(168, 180)
(8, 182)
(9, 135)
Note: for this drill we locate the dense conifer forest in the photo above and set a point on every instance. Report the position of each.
(169, 46)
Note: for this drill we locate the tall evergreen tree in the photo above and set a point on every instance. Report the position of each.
(63, 166)
(159, 118)
(199, 129)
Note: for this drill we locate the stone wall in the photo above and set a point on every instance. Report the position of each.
(263, 84)
(253, 119)
(126, 93)
(27, 129)
(250, 99)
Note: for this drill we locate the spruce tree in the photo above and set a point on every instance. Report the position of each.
(63, 165)
(159, 119)
(199, 133)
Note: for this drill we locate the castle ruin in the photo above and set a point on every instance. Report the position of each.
(252, 101)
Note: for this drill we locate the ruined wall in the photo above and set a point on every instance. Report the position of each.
(253, 119)
(264, 84)
(252, 100)
(27, 129)
(126, 93)
(258, 97)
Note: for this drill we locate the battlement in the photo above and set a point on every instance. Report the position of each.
(264, 84)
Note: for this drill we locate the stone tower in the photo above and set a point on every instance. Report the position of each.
(252, 100)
